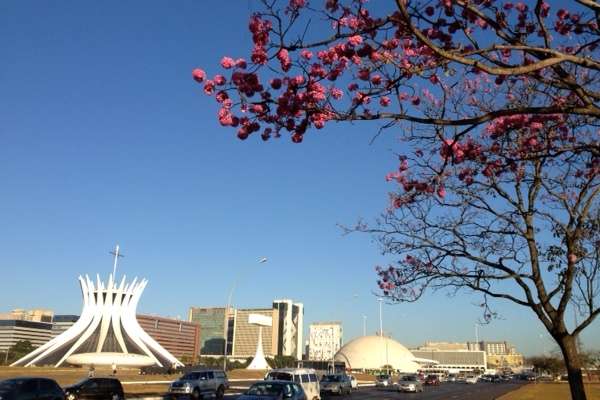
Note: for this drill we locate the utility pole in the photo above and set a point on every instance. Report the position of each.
(380, 316)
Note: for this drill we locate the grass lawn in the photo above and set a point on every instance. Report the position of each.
(550, 391)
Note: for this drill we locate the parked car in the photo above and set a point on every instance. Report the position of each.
(353, 382)
(336, 384)
(383, 380)
(30, 389)
(409, 383)
(276, 390)
(95, 388)
(471, 379)
(197, 384)
(432, 380)
(451, 377)
(305, 377)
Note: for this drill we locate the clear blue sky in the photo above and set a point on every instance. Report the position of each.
(105, 139)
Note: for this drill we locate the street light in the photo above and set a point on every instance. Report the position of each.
(364, 325)
(261, 260)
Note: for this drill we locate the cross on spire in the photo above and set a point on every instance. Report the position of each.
(117, 255)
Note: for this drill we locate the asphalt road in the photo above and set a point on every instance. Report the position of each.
(446, 391)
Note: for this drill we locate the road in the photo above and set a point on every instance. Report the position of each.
(446, 391)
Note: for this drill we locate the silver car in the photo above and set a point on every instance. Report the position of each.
(338, 384)
(197, 384)
(409, 383)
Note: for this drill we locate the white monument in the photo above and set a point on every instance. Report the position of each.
(107, 332)
(259, 362)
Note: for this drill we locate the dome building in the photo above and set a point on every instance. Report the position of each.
(375, 352)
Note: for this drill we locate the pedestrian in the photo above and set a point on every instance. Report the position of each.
(114, 368)
(91, 371)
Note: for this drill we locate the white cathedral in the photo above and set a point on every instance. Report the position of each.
(106, 333)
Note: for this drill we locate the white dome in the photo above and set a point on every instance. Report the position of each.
(373, 352)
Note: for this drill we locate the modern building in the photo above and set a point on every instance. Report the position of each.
(212, 323)
(36, 315)
(288, 325)
(491, 348)
(500, 354)
(15, 330)
(451, 361)
(180, 338)
(107, 333)
(325, 339)
(369, 353)
(245, 337)
(60, 323)
(444, 346)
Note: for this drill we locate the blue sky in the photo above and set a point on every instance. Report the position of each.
(105, 139)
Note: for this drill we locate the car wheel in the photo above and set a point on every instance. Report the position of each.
(196, 394)
(116, 397)
(220, 392)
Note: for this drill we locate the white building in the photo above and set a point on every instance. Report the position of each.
(288, 327)
(107, 333)
(325, 339)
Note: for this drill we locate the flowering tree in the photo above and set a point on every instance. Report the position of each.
(498, 180)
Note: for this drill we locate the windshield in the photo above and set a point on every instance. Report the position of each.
(331, 378)
(279, 376)
(9, 384)
(192, 376)
(383, 376)
(409, 378)
(265, 389)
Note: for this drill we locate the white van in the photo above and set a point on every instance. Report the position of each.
(305, 377)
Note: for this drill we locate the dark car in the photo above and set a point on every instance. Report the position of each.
(30, 389)
(432, 380)
(95, 389)
(276, 390)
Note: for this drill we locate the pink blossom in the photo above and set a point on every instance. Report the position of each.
(209, 87)
(198, 75)
(227, 62)
(355, 40)
(306, 54)
(384, 101)
(219, 80)
(336, 93)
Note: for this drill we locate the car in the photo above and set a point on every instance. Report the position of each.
(383, 380)
(30, 388)
(336, 384)
(95, 388)
(451, 378)
(471, 379)
(432, 380)
(305, 377)
(409, 383)
(353, 382)
(276, 390)
(200, 383)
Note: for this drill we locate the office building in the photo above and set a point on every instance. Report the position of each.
(500, 354)
(61, 323)
(246, 334)
(492, 348)
(325, 339)
(15, 330)
(212, 323)
(451, 361)
(444, 346)
(180, 338)
(36, 315)
(288, 325)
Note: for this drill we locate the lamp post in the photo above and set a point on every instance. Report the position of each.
(364, 325)
(226, 328)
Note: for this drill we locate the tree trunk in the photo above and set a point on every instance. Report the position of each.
(568, 347)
